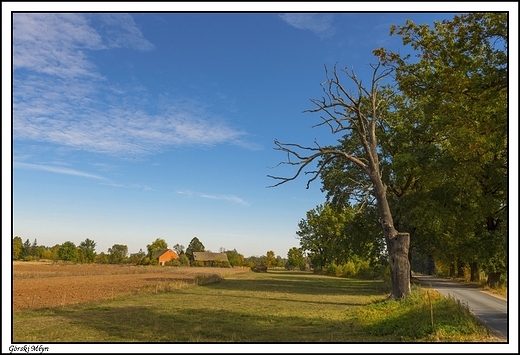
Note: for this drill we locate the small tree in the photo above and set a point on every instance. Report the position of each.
(88, 250)
(179, 249)
(17, 247)
(68, 251)
(117, 254)
(138, 258)
(183, 259)
(270, 259)
(158, 244)
(26, 249)
(234, 258)
(295, 259)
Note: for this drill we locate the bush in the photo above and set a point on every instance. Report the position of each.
(356, 269)
(259, 268)
(184, 260)
(173, 262)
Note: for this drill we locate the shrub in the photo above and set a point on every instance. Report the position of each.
(184, 260)
(259, 268)
(173, 262)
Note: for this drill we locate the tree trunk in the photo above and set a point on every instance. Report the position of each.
(493, 279)
(399, 265)
(475, 272)
(430, 268)
(398, 244)
(460, 269)
(452, 269)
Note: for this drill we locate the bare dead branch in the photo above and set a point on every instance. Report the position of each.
(304, 160)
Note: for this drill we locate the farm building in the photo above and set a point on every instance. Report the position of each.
(208, 257)
(165, 255)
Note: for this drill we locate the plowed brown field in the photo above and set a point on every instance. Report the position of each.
(40, 285)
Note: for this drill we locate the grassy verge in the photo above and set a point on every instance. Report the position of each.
(256, 307)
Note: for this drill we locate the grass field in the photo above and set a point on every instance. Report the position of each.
(247, 307)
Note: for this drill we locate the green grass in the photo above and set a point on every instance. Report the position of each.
(256, 307)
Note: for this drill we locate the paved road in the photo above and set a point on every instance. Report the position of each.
(490, 309)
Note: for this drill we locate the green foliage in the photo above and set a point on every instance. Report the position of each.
(183, 259)
(194, 246)
(356, 268)
(447, 149)
(234, 258)
(336, 235)
(218, 263)
(87, 251)
(173, 262)
(117, 254)
(198, 263)
(158, 244)
(295, 259)
(138, 258)
(270, 259)
(179, 249)
(17, 247)
(26, 249)
(68, 251)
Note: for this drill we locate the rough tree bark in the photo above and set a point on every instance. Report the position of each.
(356, 116)
(475, 272)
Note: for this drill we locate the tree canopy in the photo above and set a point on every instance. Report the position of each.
(194, 246)
(424, 144)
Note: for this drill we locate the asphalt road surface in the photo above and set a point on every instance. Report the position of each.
(489, 309)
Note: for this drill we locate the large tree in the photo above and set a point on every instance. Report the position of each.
(461, 81)
(194, 246)
(357, 116)
(87, 250)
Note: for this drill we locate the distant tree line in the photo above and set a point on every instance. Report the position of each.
(85, 252)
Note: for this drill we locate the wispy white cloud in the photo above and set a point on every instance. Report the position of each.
(320, 24)
(55, 169)
(131, 186)
(60, 97)
(120, 30)
(230, 198)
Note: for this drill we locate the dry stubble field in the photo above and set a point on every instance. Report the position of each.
(40, 284)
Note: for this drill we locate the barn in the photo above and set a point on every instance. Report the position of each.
(165, 255)
(208, 257)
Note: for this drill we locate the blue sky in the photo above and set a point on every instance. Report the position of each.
(129, 127)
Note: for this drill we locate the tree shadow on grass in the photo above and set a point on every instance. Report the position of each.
(299, 286)
(144, 324)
